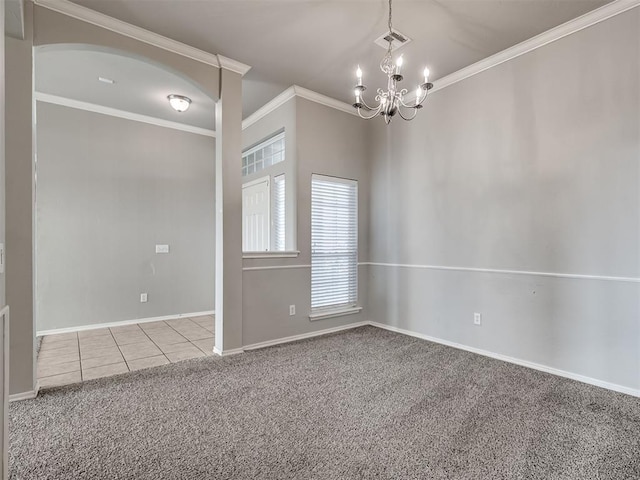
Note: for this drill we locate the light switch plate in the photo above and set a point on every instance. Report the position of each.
(162, 248)
(143, 298)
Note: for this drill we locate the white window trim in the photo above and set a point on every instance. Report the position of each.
(272, 254)
(261, 145)
(337, 312)
(266, 178)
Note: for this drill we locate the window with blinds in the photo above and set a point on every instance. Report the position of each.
(279, 213)
(334, 243)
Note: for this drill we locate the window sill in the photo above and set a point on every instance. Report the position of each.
(338, 312)
(278, 254)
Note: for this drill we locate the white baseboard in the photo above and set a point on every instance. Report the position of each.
(226, 353)
(28, 395)
(524, 363)
(293, 338)
(122, 323)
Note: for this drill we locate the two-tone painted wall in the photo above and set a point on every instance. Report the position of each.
(516, 194)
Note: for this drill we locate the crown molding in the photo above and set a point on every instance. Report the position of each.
(324, 100)
(296, 91)
(269, 107)
(114, 112)
(233, 65)
(85, 14)
(572, 26)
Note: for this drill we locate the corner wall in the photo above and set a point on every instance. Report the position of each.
(103, 205)
(531, 167)
(2, 153)
(19, 201)
(47, 27)
(329, 142)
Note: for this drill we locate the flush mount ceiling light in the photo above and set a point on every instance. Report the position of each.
(391, 100)
(179, 103)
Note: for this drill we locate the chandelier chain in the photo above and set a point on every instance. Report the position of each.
(390, 27)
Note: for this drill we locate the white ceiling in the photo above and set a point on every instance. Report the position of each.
(317, 43)
(141, 87)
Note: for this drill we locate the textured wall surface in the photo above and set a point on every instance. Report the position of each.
(533, 167)
(108, 191)
(19, 205)
(328, 142)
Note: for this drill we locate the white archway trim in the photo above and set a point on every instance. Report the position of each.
(114, 112)
(85, 14)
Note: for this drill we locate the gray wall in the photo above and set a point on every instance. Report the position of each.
(328, 142)
(2, 136)
(531, 166)
(48, 27)
(108, 191)
(19, 201)
(285, 116)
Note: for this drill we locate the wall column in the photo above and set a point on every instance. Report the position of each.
(229, 214)
(19, 168)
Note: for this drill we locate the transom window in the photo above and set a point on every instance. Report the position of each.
(264, 196)
(264, 155)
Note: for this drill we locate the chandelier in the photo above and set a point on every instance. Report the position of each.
(391, 100)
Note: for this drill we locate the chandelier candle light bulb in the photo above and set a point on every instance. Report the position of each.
(398, 65)
(391, 100)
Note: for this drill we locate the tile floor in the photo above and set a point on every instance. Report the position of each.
(74, 357)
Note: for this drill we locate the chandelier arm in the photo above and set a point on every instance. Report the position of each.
(375, 112)
(429, 86)
(424, 97)
(410, 106)
(365, 103)
(408, 119)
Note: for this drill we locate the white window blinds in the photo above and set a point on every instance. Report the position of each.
(279, 213)
(334, 242)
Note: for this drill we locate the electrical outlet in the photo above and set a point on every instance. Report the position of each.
(143, 298)
(292, 310)
(477, 318)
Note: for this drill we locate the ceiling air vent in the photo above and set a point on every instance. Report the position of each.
(397, 40)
